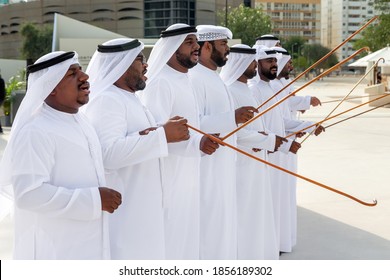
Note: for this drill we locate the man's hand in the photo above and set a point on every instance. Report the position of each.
(314, 101)
(295, 146)
(278, 142)
(300, 134)
(207, 145)
(110, 198)
(244, 114)
(176, 129)
(146, 131)
(318, 130)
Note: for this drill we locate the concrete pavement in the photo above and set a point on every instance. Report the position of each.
(354, 157)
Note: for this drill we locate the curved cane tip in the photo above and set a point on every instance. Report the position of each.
(374, 202)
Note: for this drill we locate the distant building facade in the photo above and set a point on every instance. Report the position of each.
(135, 18)
(340, 19)
(294, 18)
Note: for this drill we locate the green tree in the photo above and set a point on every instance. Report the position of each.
(246, 23)
(304, 54)
(377, 35)
(294, 45)
(314, 52)
(36, 41)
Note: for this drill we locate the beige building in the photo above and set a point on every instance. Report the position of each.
(135, 18)
(294, 18)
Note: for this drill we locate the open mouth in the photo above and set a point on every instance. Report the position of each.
(143, 74)
(85, 87)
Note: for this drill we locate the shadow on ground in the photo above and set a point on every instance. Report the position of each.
(322, 238)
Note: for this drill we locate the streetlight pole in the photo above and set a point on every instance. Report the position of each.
(292, 49)
(299, 51)
(226, 13)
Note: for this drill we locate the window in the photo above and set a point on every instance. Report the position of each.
(158, 15)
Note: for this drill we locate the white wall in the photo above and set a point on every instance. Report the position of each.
(11, 67)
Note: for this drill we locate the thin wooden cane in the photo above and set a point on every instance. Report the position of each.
(321, 59)
(342, 100)
(337, 115)
(354, 116)
(295, 91)
(219, 141)
(351, 98)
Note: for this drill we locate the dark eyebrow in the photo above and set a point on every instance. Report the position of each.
(74, 68)
(190, 39)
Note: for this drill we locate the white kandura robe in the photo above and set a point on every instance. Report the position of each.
(289, 230)
(170, 94)
(133, 168)
(255, 215)
(274, 122)
(56, 171)
(218, 212)
(295, 102)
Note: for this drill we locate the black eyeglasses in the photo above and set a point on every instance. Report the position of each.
(141, 58)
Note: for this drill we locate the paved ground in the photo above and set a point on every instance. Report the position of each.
(353, 157)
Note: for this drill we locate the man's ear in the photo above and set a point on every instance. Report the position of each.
(208, 46)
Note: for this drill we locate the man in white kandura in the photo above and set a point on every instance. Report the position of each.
(132, 147)
(53, 162)
(288, 229)
(275, 122)
(268, 41)
(296, 103)
(256, 225)
(218, 212)
(169, 93)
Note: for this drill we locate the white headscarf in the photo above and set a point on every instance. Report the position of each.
(283, 60)
(238, 62)
(105, 68)
(263, 52)
(165, 47)
(267, 40)
(212, 33)
(40, 84)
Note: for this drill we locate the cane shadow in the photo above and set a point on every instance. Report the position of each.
(322, 238)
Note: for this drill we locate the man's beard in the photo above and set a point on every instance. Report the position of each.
(269, 75)
(218, 58)
(249, 74)
(185, 61)
(285, 73)
(140, 85)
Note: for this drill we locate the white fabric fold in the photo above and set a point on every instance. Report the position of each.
(236, 65)
(105, 69)
(40, 85)
(163, 51)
